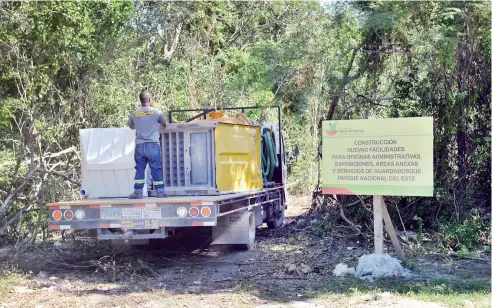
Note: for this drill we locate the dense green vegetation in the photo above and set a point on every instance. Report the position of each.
(67, 65)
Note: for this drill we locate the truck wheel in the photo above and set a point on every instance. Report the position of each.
(251, 233)
(278, 221)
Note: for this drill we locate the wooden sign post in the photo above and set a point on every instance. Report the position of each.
(379, 157)
(378, 223)
(381, 214)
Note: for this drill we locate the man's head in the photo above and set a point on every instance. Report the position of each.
(146, 98)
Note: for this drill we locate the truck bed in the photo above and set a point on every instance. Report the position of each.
(155, 213)
(166, 200)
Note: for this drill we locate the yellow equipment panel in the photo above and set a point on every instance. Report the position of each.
(237, 157)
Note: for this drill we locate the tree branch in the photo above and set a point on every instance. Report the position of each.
(44, 157)
(168, 52)
(346, 80)
(14, 217)
(375, 100)
(8, 201)
(351, 224)
(352, 78)
(65, 176)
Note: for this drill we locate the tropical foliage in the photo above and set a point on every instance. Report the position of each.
(72, 65)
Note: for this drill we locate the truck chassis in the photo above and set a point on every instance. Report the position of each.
(233, 217)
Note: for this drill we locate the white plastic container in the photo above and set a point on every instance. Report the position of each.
(108, 166)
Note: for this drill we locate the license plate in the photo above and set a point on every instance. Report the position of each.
(154, 213)
(140, 224)
(110, 214)
(131, 213)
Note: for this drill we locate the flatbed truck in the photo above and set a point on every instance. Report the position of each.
(231, 216)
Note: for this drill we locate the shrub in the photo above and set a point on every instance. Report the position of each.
(465, 234)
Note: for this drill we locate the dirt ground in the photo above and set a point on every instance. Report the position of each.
(289, 267)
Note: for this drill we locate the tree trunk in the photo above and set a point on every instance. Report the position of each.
(345, 80)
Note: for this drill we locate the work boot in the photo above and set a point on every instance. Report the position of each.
(161, 194)
(136, 195)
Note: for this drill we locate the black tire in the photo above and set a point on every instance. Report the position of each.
(278, 221)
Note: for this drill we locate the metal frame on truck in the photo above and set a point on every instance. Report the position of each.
(233, 217)
(205, 111)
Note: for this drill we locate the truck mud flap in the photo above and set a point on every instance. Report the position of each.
(237, 229)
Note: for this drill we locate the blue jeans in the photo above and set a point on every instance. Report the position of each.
(148, 153)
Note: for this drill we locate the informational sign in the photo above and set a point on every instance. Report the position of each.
(390, 157)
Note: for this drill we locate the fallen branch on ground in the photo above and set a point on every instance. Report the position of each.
(351, 224)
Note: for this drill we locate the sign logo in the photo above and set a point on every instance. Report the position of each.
(332, 129)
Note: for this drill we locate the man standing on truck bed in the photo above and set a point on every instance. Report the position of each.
(146, 122)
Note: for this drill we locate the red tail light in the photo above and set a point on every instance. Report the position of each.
(194, 212)
(68, 215)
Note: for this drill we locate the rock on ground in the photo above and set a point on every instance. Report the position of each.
(375, 266)
(343, 270)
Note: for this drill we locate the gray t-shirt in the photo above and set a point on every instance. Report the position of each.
(145, 121)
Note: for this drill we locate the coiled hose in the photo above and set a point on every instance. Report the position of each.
(269, 159)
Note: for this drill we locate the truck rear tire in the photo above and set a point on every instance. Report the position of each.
(278, 221)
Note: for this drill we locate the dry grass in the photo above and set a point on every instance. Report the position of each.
(91, 274)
